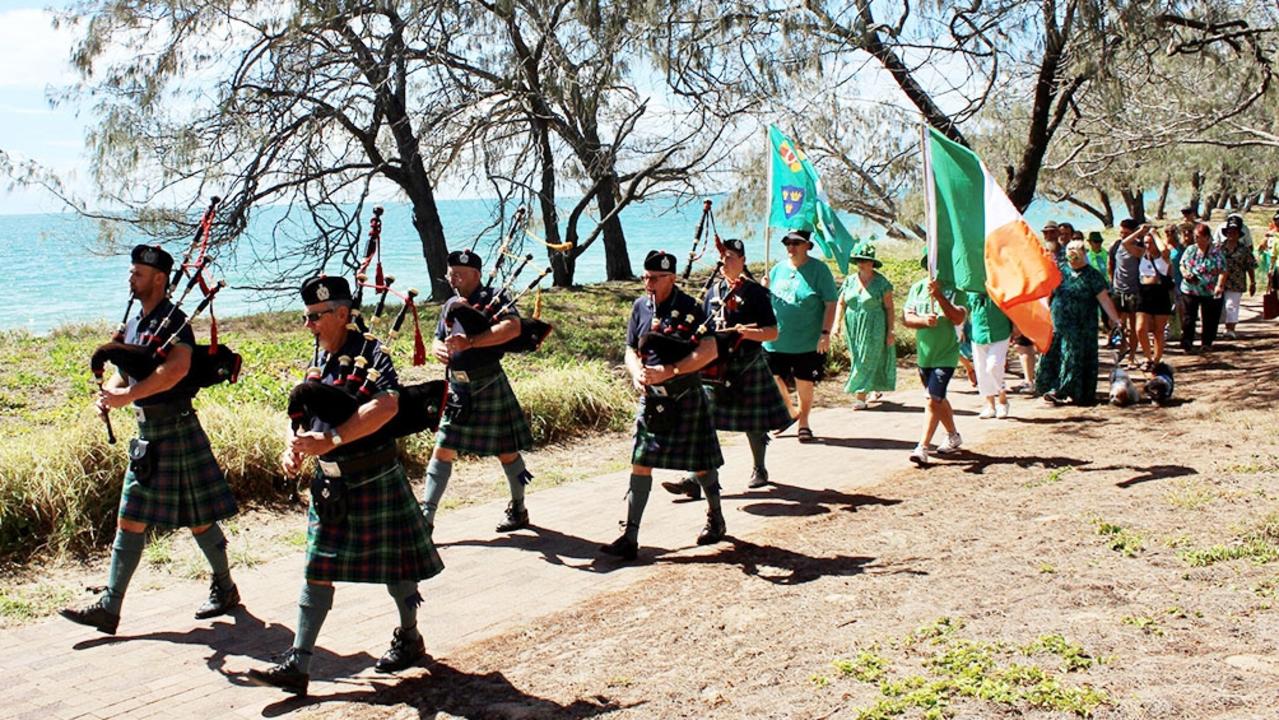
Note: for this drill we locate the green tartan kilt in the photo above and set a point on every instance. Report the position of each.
(382, 539)
(495, 422)
(751, 402)
(691, 445)
(186, 488)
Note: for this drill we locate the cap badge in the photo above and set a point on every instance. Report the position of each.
(322, 293)
(150, 256)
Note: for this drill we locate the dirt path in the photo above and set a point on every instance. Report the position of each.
(1118, 563)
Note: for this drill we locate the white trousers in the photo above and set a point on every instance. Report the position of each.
(1233, 300)
(989, 362)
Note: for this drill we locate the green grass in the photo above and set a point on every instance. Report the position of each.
(960, 669)
(1121, 539)
(1260, 545)
(23, 604)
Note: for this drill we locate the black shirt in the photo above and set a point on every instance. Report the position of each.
(678, 310)
(329, 364)
(142, 330)
(750, 303)
(475, 357)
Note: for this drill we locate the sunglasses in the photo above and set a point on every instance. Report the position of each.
(794, 242)
(314, 317)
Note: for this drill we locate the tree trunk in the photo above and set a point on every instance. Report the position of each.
(617, 263)
(563, 264)
(1161, 208)
(430, 231)
(1135, 200)
(1196, 189)
(1271, 198)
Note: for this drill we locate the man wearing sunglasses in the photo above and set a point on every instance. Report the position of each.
(376, 532)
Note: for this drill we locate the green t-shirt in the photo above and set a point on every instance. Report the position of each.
(799, 301)
(936, 346)
(990, 324)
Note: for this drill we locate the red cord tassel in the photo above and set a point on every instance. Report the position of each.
(381, 279)
(419, 347)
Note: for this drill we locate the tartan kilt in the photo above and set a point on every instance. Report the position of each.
(382, 539)
(691, 445)
(186, 487)
(495, 424)
(752, 403)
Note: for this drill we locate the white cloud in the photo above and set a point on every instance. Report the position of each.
(32, 53)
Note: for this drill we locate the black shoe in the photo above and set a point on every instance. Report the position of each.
(759, 479)
(714, 530)
(407, 647)
(95, 616)
(220, 601)
(285, 675)
(623, 547)
(515, 519)
(688, 486)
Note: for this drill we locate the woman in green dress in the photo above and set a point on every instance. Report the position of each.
(1068, 371)
(866, 305)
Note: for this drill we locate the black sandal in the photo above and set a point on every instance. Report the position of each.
(805, 435)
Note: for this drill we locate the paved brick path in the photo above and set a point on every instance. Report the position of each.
(163, 662)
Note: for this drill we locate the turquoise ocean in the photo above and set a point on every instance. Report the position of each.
(53, 271)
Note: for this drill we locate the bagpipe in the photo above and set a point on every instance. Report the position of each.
(211, 364)
(420, 405)
(477, 319)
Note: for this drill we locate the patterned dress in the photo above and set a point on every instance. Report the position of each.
(874, 363)
(1069, 368)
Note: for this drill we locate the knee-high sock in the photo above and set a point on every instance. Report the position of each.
(313, 606)
(437, 480)
(636, 499)
(407, 600)
(126, 553)
(517, 476)
(213, 543)
(710, 485)
(759, 445)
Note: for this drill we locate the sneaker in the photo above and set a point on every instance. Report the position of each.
(953, 441)
(221, 601)
(689, 487)
(1001, 410)
(96, 616)
(407, 647)
(623, 547)
(1231, 335)
(515, 519)
(919, 455)
(284, 675)
(714, 530)
(986, 413)
(759, 479)
(860, 405)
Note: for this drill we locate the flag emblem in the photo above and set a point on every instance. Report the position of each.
(792, 199)
(789, 156)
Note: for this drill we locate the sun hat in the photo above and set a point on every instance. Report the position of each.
(865, 251)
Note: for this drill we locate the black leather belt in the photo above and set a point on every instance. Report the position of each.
(162, 411)
(360, 464)
(474, 374)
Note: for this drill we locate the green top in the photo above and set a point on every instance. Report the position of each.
(936, 346)
(990, 324)
(799, 301)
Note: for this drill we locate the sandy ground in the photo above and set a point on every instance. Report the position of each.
(1064, 568)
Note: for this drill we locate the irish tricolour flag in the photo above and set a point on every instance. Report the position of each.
(978, 241)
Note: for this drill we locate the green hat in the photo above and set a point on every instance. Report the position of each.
(865, 251)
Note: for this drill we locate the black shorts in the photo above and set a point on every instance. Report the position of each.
(1155, 300)
(1126, 302)
(809, 366)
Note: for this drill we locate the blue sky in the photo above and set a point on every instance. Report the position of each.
(33, 58)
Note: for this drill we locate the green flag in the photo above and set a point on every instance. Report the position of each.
(798, 201)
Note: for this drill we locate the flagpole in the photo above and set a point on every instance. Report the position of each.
(930, 200)
(768, 206)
